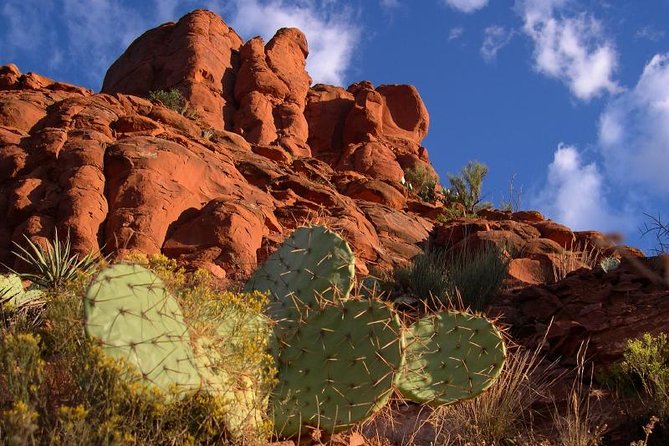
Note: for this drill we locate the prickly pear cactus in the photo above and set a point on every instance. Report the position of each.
(12, 294)
(239, 385)
(338, 368)
(313, 262)
(450, 356)
(131, 313)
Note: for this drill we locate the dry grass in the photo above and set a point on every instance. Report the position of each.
(574, 258)
(504, 412)
(578, 425)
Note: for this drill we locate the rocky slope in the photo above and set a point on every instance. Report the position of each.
(267, 152)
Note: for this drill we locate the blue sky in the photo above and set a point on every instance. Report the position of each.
(571, 98)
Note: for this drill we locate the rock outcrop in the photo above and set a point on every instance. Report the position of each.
(268, 152)
(121, 173)
(199, 55)
(591, 306)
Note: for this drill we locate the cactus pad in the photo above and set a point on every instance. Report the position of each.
(338, 368)
(450, 356)
(12, 294)
(313, 262)
(129, 310)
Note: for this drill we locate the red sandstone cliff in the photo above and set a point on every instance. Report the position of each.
(266, 153)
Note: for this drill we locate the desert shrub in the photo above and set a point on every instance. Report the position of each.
(18, 425)
(469, 276)
(646, 362)
(174, 100)
(21, 366)
(466, 187)
(67, 391)
(422, 181)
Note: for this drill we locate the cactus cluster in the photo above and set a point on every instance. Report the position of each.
(339, 358)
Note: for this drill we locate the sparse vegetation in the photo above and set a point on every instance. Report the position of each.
(436, 277)
(513, 202)
(576, 257)
(174, 100)
(578, 425)
(59, 386)
(466, 188)
(660, 230)
(423, 181)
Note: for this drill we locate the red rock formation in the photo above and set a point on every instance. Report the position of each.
(271, 90)
(373, 131)
(197, 55)
(603, 309)
(121, 173)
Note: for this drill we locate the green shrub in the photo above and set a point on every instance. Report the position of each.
(423, 181)
(477, 273)
(174, 100)
(466, 188)
(468, 276)
(646, 362)
(66, 391)
(426, 278)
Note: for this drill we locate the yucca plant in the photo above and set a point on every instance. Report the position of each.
(54, 265)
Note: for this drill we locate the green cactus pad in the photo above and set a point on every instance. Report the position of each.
(239, 385)
(450, 356)
(338, 368)
(12, 294)
(130, 312)
(313, 262)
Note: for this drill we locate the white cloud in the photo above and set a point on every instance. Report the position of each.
(634, 131)
(650, 33)
(455, 33)
(331, 34)
(574, 194)
(573, 49)
(495, 38)
(467, 5)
